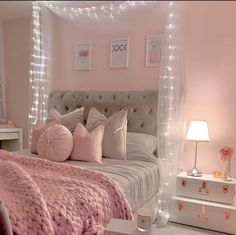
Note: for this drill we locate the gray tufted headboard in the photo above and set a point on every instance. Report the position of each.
(142, 106)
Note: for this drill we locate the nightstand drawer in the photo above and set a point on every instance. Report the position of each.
(209, 215)
(9, 136)
(11, 139)
(205, 188)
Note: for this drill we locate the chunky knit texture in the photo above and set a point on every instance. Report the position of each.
(44, 197)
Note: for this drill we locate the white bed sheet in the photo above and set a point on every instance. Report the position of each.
(138, 175)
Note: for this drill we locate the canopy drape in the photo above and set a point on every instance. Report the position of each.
(170, 81)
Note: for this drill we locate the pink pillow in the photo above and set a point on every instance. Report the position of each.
(55, 144)
(87, 146)
(38, 129)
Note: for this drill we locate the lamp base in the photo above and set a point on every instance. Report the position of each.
(194, 172)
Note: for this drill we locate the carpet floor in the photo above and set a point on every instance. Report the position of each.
(179, 229)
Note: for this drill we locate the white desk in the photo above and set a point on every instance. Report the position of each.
(11, 139)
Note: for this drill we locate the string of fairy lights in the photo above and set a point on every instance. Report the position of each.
(169, 105)
(168, 87)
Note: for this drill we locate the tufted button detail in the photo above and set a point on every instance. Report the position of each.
(100, 97)
(141, 125)
(128, 97)
(87, 96)
(114, 97)
(67, 108)
(134, 110)
(150, 111)
(105, 110)
(62, 96)
(55, 107)
(144, 97)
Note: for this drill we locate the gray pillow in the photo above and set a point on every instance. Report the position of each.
(5, 225)
(115, 128)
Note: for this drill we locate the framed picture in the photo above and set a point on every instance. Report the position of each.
(119, 53)
(153, 50)
(83, 54)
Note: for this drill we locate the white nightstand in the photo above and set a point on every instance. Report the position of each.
(205, 202)
(11, 139)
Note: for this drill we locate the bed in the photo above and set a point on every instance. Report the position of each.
(138, 175)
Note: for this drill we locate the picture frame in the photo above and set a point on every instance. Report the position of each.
(83, 56)
(153, 50)
(119, 53)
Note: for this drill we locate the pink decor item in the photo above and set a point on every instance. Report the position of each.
(38, 129)
(44, 197)
(87, 146)
(225, 154)
(55, 143)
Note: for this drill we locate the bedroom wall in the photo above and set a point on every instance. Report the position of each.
(210, 59)
(136, 26)
(16, 57)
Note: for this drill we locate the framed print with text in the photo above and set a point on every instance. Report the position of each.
(119, 53)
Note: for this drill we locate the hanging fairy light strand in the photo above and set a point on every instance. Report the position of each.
(169, 108)
(38, 72)
(100, 12)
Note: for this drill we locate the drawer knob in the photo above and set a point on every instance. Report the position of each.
(184, 182)
(180, 205)
(228, 214)
(203, 188)
(225, 188)
(203, 217)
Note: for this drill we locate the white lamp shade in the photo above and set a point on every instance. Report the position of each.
(198, 131)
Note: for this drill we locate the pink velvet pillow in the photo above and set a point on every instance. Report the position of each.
(55, 144)
(38, 129)
(87, 146)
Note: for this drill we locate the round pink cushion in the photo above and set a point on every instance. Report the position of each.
(55, 143)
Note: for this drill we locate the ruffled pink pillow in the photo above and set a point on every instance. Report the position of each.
(55, 143)
(87, 146)
(38, 129)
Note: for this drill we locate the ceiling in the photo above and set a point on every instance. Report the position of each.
(16, 9)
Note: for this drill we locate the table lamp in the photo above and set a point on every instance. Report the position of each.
(197, 132)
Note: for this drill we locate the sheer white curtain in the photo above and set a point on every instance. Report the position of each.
(41, 64)
(170, 102)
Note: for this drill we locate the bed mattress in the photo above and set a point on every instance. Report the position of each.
(138, 175)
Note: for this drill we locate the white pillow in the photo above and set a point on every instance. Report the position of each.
(68, 120)
(115, 128)
(149, 142)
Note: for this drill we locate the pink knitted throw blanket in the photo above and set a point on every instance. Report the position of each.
(44, 197)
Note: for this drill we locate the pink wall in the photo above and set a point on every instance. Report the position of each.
(210, 59)
(137, 25)
(17, 56)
